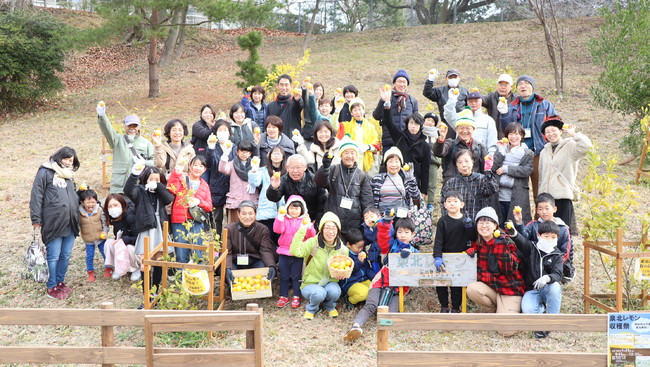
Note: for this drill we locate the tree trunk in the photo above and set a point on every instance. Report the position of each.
(312, 22)
(154, 83)
(10, 6)
(172, 38)
(178, 50)
(554, 36)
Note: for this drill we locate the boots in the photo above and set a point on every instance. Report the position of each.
(91, 276)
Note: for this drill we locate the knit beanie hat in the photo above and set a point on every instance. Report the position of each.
(527, 78)
(355, 101)
(394, 151)
(329, 217)
(465, 117)
(433, 116)
(402, 73)
(348, 143)
(488, 212)
(131, 120)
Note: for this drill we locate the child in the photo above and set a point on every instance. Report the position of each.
(191, 191)
(93, 226)
(287, 224)
(356, 287)
(542, 264)
(558, 166)
(475, 188)
(380, 288)
(240, 190)
(545, 206)
(365, 132)
(452, 235)
(146, 189)
(370, 218)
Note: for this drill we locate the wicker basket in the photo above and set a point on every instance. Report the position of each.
(338, 273)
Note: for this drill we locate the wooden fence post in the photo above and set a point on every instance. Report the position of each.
(619, 270)
(382, 335)
(250, 334)
(108, 337)
(587, 275)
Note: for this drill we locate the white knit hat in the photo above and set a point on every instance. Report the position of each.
(394, 151)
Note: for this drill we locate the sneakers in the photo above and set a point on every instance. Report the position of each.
(309, 315)
(136, 275)
(295, 302)
(353, 334)
(64, 288)
(444, 310)
(282, 302)
(91, 276)
(56, 293)
(455, 310)
(108, 273)
(334, 313)
(541, 334)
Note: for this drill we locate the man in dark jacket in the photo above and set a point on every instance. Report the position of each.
(299, 181)
(349, 187)
(402, 105)
(495, 105)
(440, 95)
(288, 106)
(529, 110)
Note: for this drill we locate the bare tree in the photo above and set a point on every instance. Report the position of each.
(175, 38)
(554, 34)
(10, 6)
(312, 23)
(440, 11)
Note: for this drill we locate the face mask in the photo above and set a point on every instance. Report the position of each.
(546, 246)
(429, 130)
(115, 212)
(222, 135)
(453, 83)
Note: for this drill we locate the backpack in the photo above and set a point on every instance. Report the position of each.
(35, 260)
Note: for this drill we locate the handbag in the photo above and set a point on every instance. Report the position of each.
(198, 214)
(35, 260)
(422, 218)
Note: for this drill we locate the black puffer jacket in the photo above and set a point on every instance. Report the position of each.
(313, 195)
(535, 263)
(145, 201)
(54, 208)
(200, 133)
(336, 179)
(398, 117)
(219, 183)
(126, 225)
(415, 148)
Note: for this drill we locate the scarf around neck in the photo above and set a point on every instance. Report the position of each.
(60, 174)
(401, 100)
(242, 168)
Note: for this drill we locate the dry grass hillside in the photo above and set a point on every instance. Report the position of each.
(206, 75)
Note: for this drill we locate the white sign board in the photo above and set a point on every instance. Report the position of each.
(419, 270)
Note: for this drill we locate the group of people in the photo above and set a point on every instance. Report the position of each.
(305, 177)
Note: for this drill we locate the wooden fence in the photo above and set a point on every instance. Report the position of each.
(393, 321)
(152, 321)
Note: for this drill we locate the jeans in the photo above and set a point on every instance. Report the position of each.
(548, 298)
(316, 294)
(58, 258)
(290, 274)
(504, 206)
(372, 302)
(182, 235)
(90, 254)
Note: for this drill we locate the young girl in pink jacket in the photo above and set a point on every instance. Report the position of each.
(287, 224)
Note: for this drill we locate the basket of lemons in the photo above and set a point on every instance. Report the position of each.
(340, 266)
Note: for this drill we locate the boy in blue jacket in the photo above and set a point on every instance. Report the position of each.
(370, 217)
(356, 287)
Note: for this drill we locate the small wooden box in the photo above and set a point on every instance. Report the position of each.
(255, 293)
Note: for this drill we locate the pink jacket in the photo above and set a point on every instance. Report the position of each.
(237, 192)
(287, 227)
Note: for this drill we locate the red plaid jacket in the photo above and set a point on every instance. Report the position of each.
(498, 266)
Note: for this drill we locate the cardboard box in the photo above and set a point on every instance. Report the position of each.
(253, 293)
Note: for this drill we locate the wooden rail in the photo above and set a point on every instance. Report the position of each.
(152, 321)
(393, 321)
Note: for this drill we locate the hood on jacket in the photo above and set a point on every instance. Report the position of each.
(82, 210)
(297, 199)
(328, 217)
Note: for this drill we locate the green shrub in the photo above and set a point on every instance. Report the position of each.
(31, 51)
(251, 71)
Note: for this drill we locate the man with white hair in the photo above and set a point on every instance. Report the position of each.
(127, 148)
(497, 102)
(298, 181)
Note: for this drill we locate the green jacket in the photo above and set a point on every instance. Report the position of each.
(317, 267)
(122, 156)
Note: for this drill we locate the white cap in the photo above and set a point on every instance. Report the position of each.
(505, 78)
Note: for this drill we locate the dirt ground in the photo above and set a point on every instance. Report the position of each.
(368, 60)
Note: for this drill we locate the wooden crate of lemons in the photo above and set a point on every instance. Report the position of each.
(251, 283)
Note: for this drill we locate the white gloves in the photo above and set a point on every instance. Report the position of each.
(255, 164)
(151, 186)
(227, 148)
(451, 95)
(212, 141)
(192, 202)
(138, 167)
(101, 109)
(364, 148)
(502, 106)
(298, 139)
(541, 282)
(251, 189)
(433, 73)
